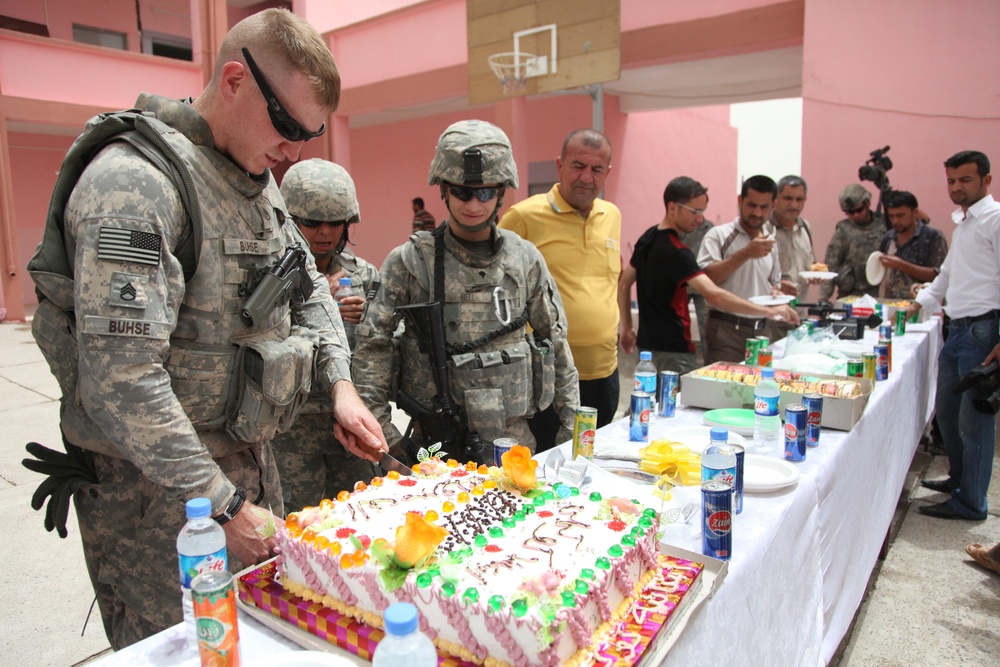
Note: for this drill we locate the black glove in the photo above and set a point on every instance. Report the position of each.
(66, 473)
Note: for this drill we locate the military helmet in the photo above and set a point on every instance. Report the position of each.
(853, 196)
(316, 189)
(473, 152)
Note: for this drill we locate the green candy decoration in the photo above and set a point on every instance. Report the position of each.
(480, 541)
(595, 497)
(645, 521)
(569, 599)
(448, 589)
(587, 573)
(573, 491)
(424, 580)
(615, 551)
(508, 522)
(650, 512)
(495, 532)
(581, 587)
(496, 602)
(471, 595)
(602, 563)
(627, 540)
(519, 607)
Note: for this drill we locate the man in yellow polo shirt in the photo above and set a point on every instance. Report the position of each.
(580, 237)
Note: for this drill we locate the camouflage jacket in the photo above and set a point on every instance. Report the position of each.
(158, 357)
(847, 255)
(518, 271)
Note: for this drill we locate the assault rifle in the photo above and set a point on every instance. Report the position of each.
(280, 282)
(444, 421)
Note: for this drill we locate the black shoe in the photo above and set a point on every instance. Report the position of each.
(945, 511)
(939, 485)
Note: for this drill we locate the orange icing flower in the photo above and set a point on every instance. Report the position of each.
(417, 539)
(520, 467)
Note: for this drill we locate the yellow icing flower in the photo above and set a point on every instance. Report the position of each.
(520, 467)
(417, 539)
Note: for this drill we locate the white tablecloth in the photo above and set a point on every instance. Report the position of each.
(802, 556)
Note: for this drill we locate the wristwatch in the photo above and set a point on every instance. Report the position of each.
(233, 508)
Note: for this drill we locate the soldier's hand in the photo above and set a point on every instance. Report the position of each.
(759, 247)
(250, 535)
(351, 309)
(356, 427)
(334, 281)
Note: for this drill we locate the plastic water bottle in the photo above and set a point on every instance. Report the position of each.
(766, 421)
(718, 461)
(344, 290)
(645, 379)
(201, 547)
(403, 643)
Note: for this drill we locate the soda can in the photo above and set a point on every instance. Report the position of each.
(855, 368)
(584, 432)
(502, 445)
(666, 402)
(868, 359)
(750, 354)
(214, 600)
(848, 310)
(796, 422)
(765, 356)
(740, 451)
(717, 520)
(888, 343)
(885, 330)
(900, 323)
(814, 417)
(882, 360)
(638, 419)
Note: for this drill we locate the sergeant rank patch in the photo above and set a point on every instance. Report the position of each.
(128, 245)
(128, 290)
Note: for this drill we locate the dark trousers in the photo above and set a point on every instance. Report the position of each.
(601, 394)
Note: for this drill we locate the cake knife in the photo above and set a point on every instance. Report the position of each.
(389, 462)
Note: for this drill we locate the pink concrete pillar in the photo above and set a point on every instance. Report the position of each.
(512, 118)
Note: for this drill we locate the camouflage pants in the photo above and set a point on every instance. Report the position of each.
(129, 529)
(313, 465)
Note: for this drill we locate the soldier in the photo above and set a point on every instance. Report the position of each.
(856, 237)
(167, 405)
(491, 284)
(321, 197)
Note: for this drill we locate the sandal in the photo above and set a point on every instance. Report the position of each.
(981, 555)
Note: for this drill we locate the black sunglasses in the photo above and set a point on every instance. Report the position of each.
(855, 211)
(283, 122)
(482, 194)
(313, 224)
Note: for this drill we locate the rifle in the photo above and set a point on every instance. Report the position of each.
(279, 283)
(444, 421)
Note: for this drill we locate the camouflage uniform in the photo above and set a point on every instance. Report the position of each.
(159, 386)
(848, 253)
(484, 283)
(312, 463)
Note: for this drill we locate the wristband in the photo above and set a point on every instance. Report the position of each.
(232, 509)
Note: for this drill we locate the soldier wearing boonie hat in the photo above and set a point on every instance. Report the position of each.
(856, 237)
(323, 202)
(492, 284)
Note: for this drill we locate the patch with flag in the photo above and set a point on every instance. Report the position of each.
(128, 245)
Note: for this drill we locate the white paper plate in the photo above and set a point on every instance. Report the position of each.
(763, 474)
(302, 659)
(874, 271)
(768, 300)
(818, 275)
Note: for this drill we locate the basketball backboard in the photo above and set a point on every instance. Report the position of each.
(524, 47)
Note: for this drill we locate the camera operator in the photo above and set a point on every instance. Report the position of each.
(969, 283)
(857, 236)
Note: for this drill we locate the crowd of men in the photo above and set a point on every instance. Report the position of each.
(527, 309)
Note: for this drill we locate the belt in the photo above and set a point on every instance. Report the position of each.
(748, 322)
(966, 321)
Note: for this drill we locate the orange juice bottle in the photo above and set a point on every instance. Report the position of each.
(215, 619)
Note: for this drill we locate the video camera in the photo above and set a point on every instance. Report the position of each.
(845, 327)
(875, 167)
(985, 383)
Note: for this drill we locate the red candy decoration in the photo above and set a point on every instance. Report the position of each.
(617, 525)
(493, 549)
(407, 482)
(344, 533)
(544, 514)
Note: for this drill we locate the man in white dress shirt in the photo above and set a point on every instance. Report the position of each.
(969, 286)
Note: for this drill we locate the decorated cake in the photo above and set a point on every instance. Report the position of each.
(503, 568)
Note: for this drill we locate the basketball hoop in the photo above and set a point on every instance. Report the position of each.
(511, 68)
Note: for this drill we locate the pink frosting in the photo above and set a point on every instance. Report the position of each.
(332, 570)
(496, 622)
(452, 610)
(576, 620)
(405, 594)
(370, 583)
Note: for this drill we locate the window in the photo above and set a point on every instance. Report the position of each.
(100, 37)
(169, 46)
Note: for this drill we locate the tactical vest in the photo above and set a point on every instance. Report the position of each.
(241, 234)
(492, 382)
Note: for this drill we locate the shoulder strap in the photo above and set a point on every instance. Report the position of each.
(729, 241)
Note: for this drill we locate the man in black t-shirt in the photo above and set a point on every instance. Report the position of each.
(662, 267)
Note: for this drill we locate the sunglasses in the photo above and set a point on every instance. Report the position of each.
(482, 194)
(282, 121)
(856, 210)
(313, 224)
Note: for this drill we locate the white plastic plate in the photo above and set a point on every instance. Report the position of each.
(764, 474)
(874, 271)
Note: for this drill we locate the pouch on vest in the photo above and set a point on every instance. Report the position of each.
(484, 410)
(275, 379)
(543, 370)
(507, 372)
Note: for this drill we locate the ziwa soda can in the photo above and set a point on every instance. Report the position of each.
(666, 400)
(855, 368)
(717, 519)
(215, 619)
(502, 445)
(796, 421)
(814, 417)
(882, 360)
(584, 430)
(638, 419)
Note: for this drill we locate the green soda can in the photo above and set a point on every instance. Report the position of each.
(900, 327)
(855, 368)
(750, 357)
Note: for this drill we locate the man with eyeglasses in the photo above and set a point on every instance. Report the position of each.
(168, 405)
(323, 202)
(492, 285)
(662, 267)
(856, 237)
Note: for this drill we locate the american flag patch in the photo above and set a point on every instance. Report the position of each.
(128, 245)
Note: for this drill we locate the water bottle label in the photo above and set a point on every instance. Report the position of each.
(646, 383)
(727, 475)
(192, 566)
(765, 406)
